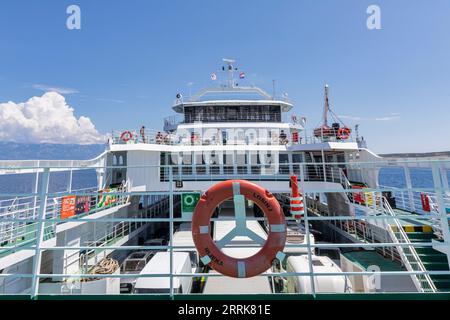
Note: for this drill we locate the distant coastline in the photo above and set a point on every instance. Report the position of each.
(416, 155)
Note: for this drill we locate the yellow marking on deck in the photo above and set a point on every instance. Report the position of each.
(411, 228)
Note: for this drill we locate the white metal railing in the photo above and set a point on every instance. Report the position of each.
(37, 275)
(25, 209)
(255, 172)
(409, 254)
(120, 230)
(190, 138)
(411, 201)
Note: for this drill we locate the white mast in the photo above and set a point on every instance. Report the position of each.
(230, 69)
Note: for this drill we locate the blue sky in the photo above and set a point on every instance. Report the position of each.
(130, 58)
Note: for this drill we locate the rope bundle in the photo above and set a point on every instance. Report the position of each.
(106, 266)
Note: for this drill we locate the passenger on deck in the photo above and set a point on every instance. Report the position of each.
(159, 138)
(283, 137)
(167, 139)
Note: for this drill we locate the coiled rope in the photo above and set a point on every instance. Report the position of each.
(104, 266)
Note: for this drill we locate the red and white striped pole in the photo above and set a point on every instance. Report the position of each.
(297, 207)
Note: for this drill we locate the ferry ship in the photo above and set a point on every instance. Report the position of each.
(232, 197)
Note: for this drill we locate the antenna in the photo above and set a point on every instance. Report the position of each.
(230, 70)
(273, 89)
(326, 107)
(190, 88)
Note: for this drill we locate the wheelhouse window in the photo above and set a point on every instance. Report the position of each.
(264, 113)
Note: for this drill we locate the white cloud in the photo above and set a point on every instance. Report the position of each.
(110, 100)
(60, 90)
(392, 116)
(350, 117)
(45, 119)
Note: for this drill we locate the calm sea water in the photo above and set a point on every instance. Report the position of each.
(395, 177)
(58, 182)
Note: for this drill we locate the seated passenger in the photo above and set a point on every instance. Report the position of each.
(159, 138)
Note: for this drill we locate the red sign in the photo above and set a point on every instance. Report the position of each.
(68, 207)
(358, 196)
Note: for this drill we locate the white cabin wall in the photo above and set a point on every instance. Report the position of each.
(17, 285)
(143, 177)
(371, 172)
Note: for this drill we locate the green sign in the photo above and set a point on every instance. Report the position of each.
(189, 201)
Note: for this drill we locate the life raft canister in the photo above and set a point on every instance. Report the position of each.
(295, 137)
(296, 201)
(211, 255)
(126, 136)
(344, 133)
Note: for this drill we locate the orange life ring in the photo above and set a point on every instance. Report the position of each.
(211, 255)
(343, 133)
(126, 136)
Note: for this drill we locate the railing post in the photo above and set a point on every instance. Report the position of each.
(409, 187)
(69, 187)
(307, 232)
(35, 190)
(171, 229)
(324, 167)
(40, 232)
(438, 188)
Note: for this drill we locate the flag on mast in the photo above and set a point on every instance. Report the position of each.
(213, 77)
(242, 75)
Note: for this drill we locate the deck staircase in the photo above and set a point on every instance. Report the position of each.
(432, 259)
(419, 258)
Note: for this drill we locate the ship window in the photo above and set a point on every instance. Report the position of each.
(187, 162)
(284, 163)
(114, 160)
(296, 158)
(121, 160)
(232, 113)
(255, 161)
(200, 163)
(228, 163)
(241, 161)
(173, 158)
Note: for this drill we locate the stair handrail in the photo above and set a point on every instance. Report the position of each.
(435, 222)
(346, 183)
(411, 248)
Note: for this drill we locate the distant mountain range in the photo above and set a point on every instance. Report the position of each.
(417, 155)
(48, 151)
